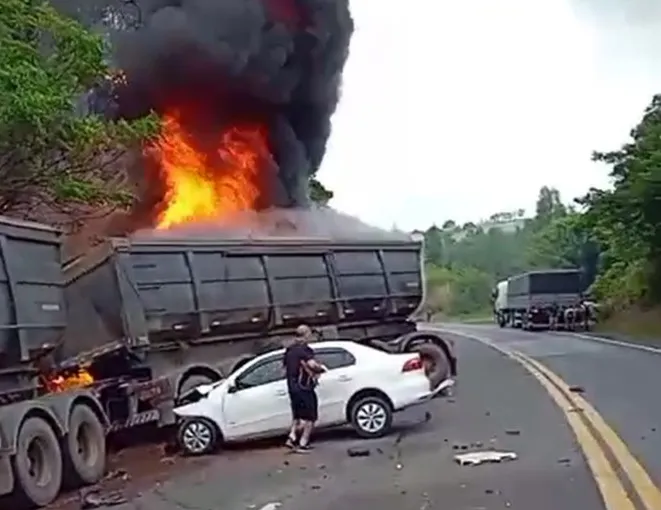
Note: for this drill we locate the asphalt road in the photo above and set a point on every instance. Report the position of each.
(500, 402)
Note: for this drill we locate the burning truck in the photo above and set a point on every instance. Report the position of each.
(110, 340)
(213, 269)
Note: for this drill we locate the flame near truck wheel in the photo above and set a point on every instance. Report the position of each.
(110, 340)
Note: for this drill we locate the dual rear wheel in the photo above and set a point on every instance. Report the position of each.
(44, 463)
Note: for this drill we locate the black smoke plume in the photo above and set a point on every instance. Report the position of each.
(276, 62)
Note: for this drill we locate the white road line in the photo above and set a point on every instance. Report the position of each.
(599, 339)
(618, 343)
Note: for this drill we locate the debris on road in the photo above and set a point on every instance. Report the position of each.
(97, 499)
(358, 452)
(513, 432)
(577, 389)
(269, 506)
(118, 474)
(488, 456)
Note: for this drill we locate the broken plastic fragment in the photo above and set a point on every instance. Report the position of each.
(271, 506)
(475, 458)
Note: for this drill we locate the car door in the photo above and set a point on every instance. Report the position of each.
(258, 404)
(335, 386)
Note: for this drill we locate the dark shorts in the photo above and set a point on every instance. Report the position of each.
(303, 405)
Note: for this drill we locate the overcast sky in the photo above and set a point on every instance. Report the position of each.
(459, 109)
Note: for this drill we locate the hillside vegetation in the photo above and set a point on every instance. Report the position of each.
(55, 154)
(614, 235)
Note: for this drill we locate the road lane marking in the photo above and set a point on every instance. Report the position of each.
(649, 493)
(613, 493)
(647, 490)
(609, 341)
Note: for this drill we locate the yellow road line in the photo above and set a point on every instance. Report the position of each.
(649, 493)
(612, 491)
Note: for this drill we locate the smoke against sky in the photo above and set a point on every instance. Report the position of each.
(627, 32)
(473, 106)
(462, 109)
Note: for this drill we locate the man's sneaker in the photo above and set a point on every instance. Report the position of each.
(290, 443)
(304, 449)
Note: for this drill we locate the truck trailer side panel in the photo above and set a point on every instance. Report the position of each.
(32, 311)
(157, 293)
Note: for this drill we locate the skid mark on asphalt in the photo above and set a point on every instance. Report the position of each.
(580, 414)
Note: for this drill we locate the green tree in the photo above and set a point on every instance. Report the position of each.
(627, 219)
(548, 208)
(51, 150)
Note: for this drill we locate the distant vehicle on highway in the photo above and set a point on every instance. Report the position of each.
(549, 299)
(363, 387)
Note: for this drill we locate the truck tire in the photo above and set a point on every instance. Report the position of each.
(37, 464)
(84, 448)
(437, 365)
(192, 381)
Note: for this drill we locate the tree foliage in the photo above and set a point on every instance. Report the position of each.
(626, 220)
(51, 148)
(613, 235)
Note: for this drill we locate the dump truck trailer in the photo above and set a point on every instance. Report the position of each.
(542, 299)
(110, 340)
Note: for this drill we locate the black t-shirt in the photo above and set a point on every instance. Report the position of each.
(298, 378)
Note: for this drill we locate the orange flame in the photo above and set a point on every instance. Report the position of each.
(202, 186)
(64, 382)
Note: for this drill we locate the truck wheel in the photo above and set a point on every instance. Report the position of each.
(37, 464)
(371, 417)
(85, 448)
(193, 381)
(437, 366)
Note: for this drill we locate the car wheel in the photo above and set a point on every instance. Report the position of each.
(198, 436)
(371, 417)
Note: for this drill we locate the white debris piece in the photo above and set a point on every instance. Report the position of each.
(475, 458)
(271, 506)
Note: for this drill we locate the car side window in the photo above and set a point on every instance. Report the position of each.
(335, 358)
(264, 373)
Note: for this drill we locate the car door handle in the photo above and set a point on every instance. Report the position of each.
(344, 378)
(281, 393)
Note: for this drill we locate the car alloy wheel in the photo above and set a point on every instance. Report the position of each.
(372, 417)
(197, 436)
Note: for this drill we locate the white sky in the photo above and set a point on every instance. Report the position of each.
(459, 109)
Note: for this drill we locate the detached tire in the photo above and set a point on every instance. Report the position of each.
(37, 464)
(198, 436)
(84, 448)
(437, 365)
(371, 417)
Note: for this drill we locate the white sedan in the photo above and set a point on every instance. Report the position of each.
(363, 387)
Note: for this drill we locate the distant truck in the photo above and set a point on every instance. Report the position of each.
(549, 299)
(113, 339)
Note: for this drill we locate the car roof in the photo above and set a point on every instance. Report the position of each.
(327, 344)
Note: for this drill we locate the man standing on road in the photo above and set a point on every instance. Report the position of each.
(302, 372)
